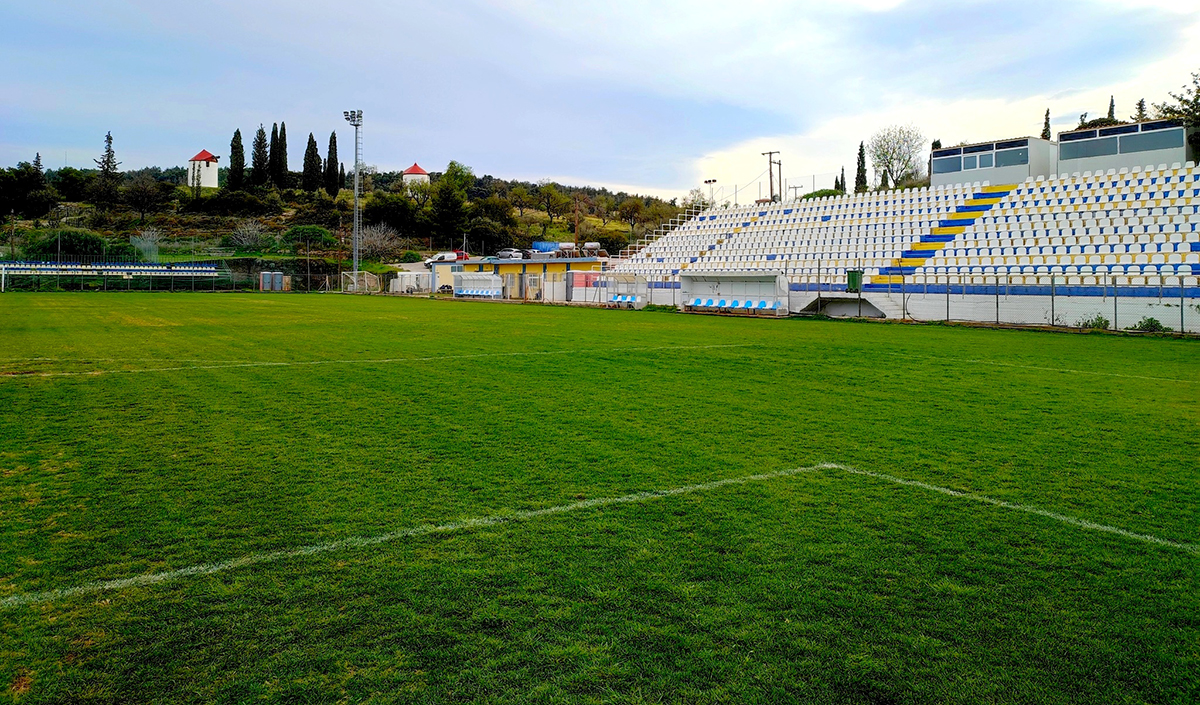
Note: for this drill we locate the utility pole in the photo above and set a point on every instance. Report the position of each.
(771, 170)
(781, 188)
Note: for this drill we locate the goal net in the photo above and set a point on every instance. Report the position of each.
(360, 283)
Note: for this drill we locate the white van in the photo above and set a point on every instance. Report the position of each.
(441, 257)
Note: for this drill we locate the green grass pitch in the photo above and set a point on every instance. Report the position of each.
(142, 434)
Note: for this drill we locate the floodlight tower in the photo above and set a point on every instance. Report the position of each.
(710, 183)
(354, 117)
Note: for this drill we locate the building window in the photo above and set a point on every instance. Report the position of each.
(1088, 148)
(1150, 141)
(947, 165)
(970, 162)
(985, 161)
(1012, 157)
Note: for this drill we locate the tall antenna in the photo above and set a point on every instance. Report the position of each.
(354, 117)
(771, 170)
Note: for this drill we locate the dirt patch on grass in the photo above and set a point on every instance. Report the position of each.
(21, 684)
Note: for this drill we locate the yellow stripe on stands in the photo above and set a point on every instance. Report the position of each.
(929, 245)
(998, 188)
(912, 261)
(887, 279)
(984, 201)
(952, 230)
(970, 215)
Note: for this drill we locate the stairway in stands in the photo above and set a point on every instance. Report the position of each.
(946, 231)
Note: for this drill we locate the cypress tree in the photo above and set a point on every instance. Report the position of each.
(883, 181)
(332, 185)
(310, 179)
(1112, 108)
(237, 163)
(282, 177)
(273, 155)
(860, 175)
(342, 176)
(1046, 126)
(842, 184)
(104, 189)
(260, 159)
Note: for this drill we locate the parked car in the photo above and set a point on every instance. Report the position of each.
(442, 257)
(460, 255)
(509, 253)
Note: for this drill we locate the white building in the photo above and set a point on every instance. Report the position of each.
(1160, 143)
(1003, 162)
(414, 174)
(202, 168)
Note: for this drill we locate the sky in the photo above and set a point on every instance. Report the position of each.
(647, 97)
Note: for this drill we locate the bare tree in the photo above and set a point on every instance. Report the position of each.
(380, 242)
(896, 152)
(248, 235)
(146, 242)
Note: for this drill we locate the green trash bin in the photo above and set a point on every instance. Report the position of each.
(854, 281)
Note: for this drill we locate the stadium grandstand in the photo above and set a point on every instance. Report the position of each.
(1128, 228)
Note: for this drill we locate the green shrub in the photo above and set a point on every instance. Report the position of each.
(310, 236)
(1149, 325)
(72, 242)
(410, 257)
(238, 203)
(1097, 322)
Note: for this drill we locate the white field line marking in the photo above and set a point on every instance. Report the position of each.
(1038, 368)
(364, 541)
(495, 519)
(1081, 523)
(379, 361)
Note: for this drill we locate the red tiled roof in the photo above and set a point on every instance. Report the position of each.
(204, 156)
(415, 170)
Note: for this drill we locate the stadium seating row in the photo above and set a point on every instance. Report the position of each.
(1137, 223)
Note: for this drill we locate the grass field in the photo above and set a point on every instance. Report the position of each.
(201, 439)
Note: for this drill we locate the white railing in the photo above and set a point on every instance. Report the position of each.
(664, 228)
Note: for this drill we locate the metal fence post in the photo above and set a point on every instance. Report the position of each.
(947, 297)
(1053, 318)
(997, 282)
(903, 300)
(1182, 325)
(1114, 283)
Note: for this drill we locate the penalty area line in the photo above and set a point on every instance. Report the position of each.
(148, 579)
(32, 598)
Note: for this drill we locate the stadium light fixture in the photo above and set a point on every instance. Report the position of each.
(710, 183)
(355, 118)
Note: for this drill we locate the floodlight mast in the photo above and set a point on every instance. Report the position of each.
(355, 117)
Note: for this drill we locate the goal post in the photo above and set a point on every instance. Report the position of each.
(360, 283)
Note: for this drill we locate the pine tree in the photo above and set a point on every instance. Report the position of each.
(237, 163)
(260, 159)
(860, 175)
(273, 155)
(37, 162)
(332, 185)
(1112, 108)
(1046, 126)
(282, 176)
(1140, 115)
(104, 188)
(310, 179)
